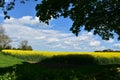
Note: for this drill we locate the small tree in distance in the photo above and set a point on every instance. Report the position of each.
(24, 45)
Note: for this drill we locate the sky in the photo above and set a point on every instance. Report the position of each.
(56, 36)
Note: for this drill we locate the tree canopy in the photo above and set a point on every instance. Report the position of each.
(100, 16)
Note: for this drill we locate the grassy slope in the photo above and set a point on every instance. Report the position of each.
(6, 60)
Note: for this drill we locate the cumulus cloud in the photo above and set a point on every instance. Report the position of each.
(42, 39)
(100, 48)
(26, 20)
(116, 46)
(94, 43)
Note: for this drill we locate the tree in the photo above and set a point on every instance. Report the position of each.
(4, 39)
(7, 6)
(24, 45)
(100, 16)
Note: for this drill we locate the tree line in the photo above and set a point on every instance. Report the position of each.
(5, 41)
(107, 50)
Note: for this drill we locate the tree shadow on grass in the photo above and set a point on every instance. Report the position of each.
(28, 71)
(70, 67)
(68, 61)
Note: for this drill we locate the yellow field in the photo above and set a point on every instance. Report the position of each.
(50, 54)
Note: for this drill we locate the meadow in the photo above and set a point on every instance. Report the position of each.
(43, 65)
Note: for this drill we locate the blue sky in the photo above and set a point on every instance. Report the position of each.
(23, 25)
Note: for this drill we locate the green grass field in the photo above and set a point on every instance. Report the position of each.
(6, 60)
(12, 68)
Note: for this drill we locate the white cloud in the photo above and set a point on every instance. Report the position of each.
(53, 40)
(19, 29)
(94, 43)
(100, 48)
(26, 20)
(117, 45)
(39, 37)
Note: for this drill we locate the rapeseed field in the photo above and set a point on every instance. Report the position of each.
(50, 54)
(36, 56)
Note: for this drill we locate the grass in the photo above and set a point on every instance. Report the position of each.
(28, 71)
(6, 60)
(56, 68)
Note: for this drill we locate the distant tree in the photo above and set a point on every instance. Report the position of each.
(14, 48)
(9, 47)
(108, 50)
(0, 48)
(100, 16)
(4, 39)
(24, 45)
(29, 48)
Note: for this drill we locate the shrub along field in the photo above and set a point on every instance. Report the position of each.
(42, 65)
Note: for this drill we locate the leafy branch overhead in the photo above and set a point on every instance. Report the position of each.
(100, 16)
(7, 6)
